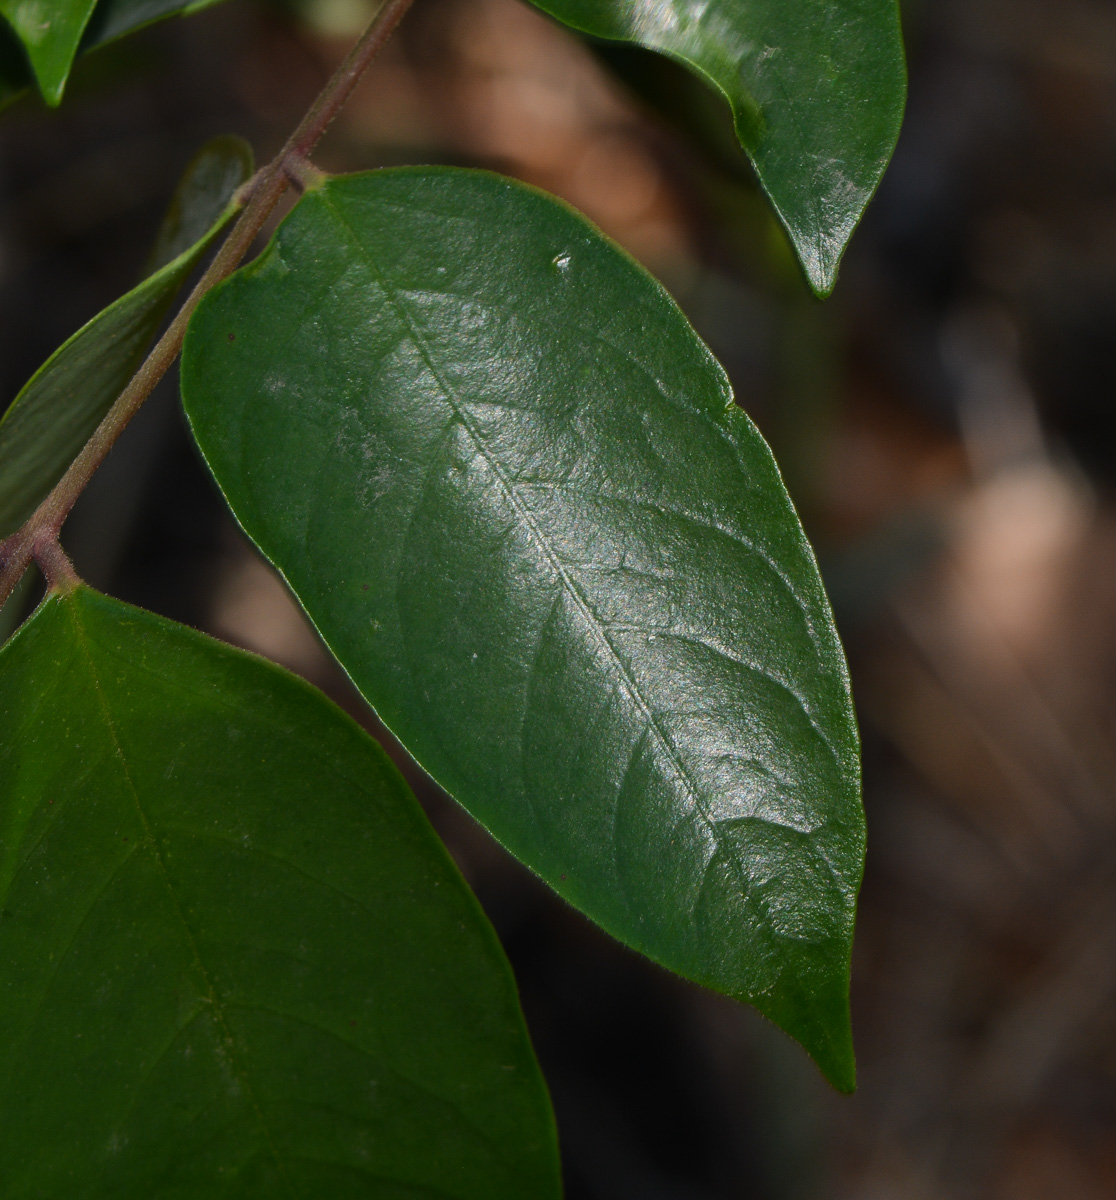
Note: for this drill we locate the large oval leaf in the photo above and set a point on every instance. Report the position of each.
(234, 959)
(508, 483)
(816, 87)
(57, 410)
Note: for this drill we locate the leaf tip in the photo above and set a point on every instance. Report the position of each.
(811, 1004)
(821, 236)
(838, 1065)
(819, 256)
(51, 88)
(829, 1043)
(50, 63)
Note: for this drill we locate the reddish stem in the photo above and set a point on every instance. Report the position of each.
(38, 538)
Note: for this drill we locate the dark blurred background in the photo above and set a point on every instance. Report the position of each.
(947, 427)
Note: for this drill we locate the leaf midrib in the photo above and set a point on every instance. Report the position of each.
(525, 515)
(215, 1004)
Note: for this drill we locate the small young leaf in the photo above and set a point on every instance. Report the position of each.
(203, 199)
(50, 31)
(52, 417)
(508, 483)
(816, 88)
(234, 959)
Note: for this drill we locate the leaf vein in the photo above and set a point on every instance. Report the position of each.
(110, 725)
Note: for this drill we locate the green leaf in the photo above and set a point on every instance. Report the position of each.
(50, 31)
(57, 410)
(203, 200)
(234, 959)
(111, 19)
(114, 19)
(816, 88)
(508, 483)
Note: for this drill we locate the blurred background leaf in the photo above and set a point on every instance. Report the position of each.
(57, 410)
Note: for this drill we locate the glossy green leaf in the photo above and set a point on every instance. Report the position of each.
(50, 31)
(110, 20)
(235, 960)
(57, 410)
(816, 88)
(508, 483)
